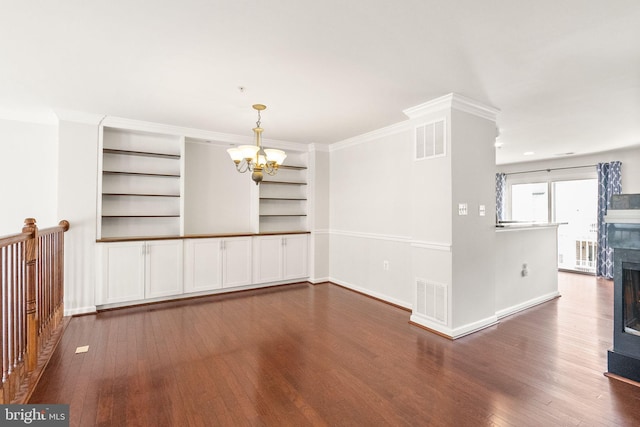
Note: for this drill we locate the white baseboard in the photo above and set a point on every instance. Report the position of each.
(371, 293)
(81, 310)
(454, 333)
(527, 304)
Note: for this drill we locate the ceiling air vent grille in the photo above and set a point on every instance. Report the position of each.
(430, 140)
(431, 300)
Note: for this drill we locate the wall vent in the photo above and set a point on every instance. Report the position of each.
(431, 300)
(430, 140)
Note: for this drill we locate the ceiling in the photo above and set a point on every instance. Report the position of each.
(565, 74)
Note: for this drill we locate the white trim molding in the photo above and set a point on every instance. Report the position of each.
(371, 136)
(453, 101)
(434, 246)
(80, 310)
(36, 117)
(314, 146)
(391, 238)
(500, 314)
(369, 292)
(204, 135)
(454, 333)
(79, 117)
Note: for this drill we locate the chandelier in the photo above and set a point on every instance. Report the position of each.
(254, 158)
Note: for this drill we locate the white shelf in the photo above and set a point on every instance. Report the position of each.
(140, 181)
(283, 197)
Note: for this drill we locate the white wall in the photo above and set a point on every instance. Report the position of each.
(318, 206)
(514, 248)
(389, 209)
(371, 215)
(28, 172)
(369, 191)
(217, 198)
(77, 198)
(473, 177)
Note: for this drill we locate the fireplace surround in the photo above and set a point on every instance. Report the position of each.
(623, 227)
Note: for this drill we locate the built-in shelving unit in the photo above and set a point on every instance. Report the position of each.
(176, 219)
(140, 182)
(283, 197)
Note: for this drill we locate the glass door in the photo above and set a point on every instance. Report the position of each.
(575, 204)
(530, 202)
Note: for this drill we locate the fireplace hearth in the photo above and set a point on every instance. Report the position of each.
(623, 226)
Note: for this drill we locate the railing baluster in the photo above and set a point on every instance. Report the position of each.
(2, 311)
(31, 302)
(5, 326)
(13, 318)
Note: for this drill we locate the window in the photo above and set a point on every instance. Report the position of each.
(530, 202)
(566, 196)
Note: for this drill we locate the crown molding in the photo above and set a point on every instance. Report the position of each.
(79, 117)
(319, 147)
(453, 101)
(199, 134)
(370, 136)
(41, 118)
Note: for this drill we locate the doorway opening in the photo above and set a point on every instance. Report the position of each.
(575, 206)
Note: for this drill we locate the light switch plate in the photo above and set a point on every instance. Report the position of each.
(482, 210)
(462, 208)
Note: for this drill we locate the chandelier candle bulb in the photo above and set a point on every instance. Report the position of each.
(255, 159)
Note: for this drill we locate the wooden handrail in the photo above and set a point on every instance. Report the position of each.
(14, 238)
(31, 304)
(62, 226)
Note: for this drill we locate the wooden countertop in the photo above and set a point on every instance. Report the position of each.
(194, 236)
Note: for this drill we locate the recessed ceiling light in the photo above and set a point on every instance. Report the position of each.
(528, 153)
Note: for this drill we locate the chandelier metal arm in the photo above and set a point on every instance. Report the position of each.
(255, 158)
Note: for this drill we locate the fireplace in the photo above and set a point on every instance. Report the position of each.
(624, 237)
(630, 295)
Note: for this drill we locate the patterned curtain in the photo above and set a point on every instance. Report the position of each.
(501, 188)
(609, 183)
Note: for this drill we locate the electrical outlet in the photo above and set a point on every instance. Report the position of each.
(482, 210)
(462, 208)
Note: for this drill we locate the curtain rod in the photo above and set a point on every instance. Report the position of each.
(552, 169)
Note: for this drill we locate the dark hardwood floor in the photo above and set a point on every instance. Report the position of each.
(322, 355)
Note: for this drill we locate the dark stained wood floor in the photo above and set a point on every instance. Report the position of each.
(322, 355)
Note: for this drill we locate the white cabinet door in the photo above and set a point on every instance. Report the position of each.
(267, 259)
(122, 275)
(236, 262)
(202, 264)
(163, 268)
(295, 259)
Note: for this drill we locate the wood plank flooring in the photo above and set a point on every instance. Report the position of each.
(322, 355)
